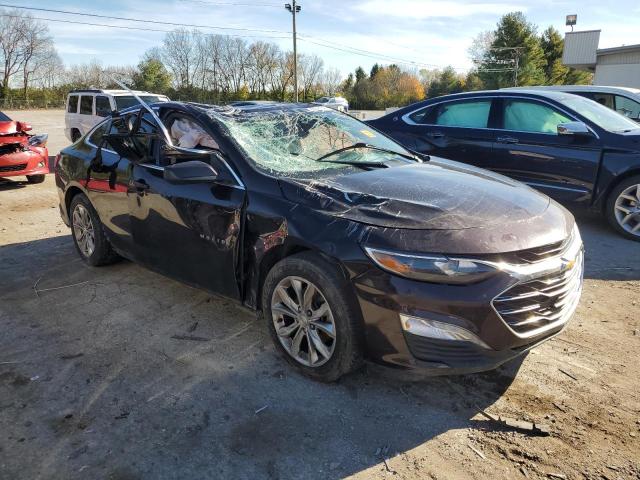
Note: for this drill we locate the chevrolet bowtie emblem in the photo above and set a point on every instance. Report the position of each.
(568, 264)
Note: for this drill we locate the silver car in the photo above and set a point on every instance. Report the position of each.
(337, 103)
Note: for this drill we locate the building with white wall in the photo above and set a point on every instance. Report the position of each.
(618, 66)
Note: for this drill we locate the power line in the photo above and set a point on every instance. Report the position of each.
(216, 4)
(141, 20)
(366, 53)
(308, 38)
(142, 29)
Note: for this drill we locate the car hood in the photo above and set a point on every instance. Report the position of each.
(8, 128)
(436, 195)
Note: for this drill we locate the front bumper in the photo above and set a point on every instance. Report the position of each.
(30, 162)
(386, 298)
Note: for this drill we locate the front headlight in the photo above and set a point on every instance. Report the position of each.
(426, 268)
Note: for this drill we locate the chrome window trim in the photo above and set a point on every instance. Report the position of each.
(239, 183)
(92, 131)
(405, 118)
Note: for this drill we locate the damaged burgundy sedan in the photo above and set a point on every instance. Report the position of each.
(350, 246)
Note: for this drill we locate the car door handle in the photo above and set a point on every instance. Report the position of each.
(141, 185)
(435, 134)
(507, 140)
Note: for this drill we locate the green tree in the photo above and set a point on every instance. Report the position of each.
(473, 82)
(556, 72)
(374, 70)
(445, 82)
(152, 76)
(515, 41)
(360, 74)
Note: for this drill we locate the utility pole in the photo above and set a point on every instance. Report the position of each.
(294, 8)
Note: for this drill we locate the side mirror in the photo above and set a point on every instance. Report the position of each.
(193, 171)
(574, 128)
(24, 127)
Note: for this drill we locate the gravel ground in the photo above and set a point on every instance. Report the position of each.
(119, 373)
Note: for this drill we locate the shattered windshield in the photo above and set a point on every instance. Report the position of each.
(291, 140)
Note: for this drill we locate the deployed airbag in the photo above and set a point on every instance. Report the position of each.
(187, 134)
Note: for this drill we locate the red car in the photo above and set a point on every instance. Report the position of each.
(22, 153)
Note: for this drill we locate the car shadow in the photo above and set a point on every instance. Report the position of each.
(10, 184)
(191, 384)
(608, 255)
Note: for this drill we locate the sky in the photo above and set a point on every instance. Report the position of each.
(421, 33)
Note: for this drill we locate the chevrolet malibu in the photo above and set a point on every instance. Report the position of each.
(349, 246)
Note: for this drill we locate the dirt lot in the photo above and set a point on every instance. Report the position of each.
(97, 380)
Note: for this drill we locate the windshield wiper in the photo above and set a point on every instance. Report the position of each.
(364, 145)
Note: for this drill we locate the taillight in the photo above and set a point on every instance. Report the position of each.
(55, 164)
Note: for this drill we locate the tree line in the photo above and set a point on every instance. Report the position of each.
(196, 66)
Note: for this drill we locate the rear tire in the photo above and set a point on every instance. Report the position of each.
(75, 135)
(323, 338)
(35, 178)
(623, 208)
(88, 234)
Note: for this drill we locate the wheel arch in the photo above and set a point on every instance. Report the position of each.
(280, 252)
(71, 192)
(604, 197)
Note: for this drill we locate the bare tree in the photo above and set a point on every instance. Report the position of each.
(480, 46)
(178, 53)
(50, 71)
(310, 69)
(12, 35)
(37, 44)
(263, 62)
(282, 75)
(330, 81)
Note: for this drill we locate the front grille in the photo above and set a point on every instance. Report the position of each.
(543, 302)
(9, 148)
(13, 168)
(533, 255)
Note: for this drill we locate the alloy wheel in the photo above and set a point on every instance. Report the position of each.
(303, 321)
(83, 230)
(627, 209)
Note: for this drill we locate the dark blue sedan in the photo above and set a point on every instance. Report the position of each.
(571, 148)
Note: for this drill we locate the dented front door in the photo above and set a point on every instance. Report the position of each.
(188, 231)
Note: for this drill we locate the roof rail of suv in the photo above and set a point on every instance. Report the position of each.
(86, 90)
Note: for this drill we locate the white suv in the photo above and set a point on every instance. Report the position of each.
(337, 103)
(86, 108)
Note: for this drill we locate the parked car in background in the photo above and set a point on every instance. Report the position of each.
(351, 246)
(623, 100)
(336, 103)
(22, 153)
(569, 147)
(249, 103)
(86, 108)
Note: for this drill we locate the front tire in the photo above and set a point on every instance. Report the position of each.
(88, 235)
(623, 208)
(312, 317)
(35, 178)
